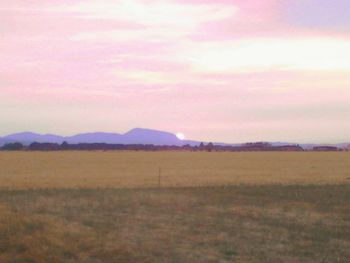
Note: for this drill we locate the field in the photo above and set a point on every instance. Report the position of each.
(33, 170)
(97, 207)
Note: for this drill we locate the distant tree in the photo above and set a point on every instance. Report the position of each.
(36, 146)
(201, 146)
(64, 146)
(13, 147)
(210, 147)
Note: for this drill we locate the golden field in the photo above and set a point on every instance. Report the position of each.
(33, 170)
(106, 207)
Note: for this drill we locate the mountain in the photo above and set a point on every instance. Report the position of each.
(4, 141)
(29, 137)
(96, 137)
(134, 136)
(147, 136)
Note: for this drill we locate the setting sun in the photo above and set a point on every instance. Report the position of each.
(180, 136)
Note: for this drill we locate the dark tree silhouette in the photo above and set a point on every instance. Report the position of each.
(210, 147)
(13, 147)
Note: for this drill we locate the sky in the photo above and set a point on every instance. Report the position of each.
(223, 70)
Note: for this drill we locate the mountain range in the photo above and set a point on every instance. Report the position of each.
(134, 136)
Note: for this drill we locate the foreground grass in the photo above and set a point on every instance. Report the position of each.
(271, 223)
(34, 170)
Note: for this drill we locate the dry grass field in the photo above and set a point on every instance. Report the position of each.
(32, 170)
(101, 207)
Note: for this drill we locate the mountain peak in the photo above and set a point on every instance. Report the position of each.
(145, 130)
(25, 133)
(149, 136)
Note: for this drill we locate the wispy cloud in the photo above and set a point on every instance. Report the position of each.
(269, 54)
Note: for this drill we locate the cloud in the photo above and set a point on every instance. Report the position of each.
(271, 54)
(151, 13)
(158, 21)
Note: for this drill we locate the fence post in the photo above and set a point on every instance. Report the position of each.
(159, 176)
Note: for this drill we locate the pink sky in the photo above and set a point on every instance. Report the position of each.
(224, 70)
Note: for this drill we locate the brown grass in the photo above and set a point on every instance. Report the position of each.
(65, 207)
(216, 224)
(32, 170)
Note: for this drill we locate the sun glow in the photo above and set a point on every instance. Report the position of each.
(180, 136)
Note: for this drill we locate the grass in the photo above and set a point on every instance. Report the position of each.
(270, 223)
(33, 170)
(97, 207)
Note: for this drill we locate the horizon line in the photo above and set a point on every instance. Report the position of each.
(204, 141)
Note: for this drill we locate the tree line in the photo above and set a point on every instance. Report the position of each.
(209, 147)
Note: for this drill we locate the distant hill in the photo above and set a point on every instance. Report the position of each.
(95, 137)
(29, 137)
(134, 136)
(4, 141)
(141, 136)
